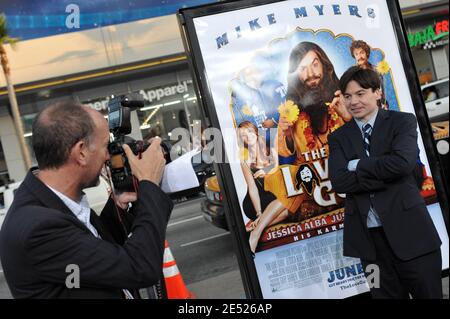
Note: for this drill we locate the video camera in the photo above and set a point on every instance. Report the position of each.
(119, 119)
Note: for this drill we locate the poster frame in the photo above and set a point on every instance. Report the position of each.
(232, 208)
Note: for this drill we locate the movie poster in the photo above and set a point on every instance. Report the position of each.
(273, 73)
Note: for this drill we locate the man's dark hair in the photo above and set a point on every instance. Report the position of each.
(297, 91)
(57, 129)
(366, 78)
(360, 44)
(313, 101)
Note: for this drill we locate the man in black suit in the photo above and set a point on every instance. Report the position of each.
(372, 160)
(50, 231)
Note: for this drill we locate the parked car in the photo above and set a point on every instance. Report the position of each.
(6, 198)
(435, 95)
(212, 205)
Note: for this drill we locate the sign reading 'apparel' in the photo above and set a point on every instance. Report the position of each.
(159, 93)
(151, 95)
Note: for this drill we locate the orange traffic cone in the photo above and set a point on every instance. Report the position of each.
(176, 289)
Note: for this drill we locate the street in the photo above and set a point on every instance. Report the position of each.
(204, 253)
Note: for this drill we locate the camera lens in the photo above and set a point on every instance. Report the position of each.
(117, 161)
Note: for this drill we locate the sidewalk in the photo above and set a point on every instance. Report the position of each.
(445, 287)
(225, 286)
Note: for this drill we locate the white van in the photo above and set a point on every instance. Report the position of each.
(435, 95)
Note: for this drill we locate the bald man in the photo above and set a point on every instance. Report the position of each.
(52, 245)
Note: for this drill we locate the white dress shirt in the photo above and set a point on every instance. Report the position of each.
(81, 210)
(373, 220)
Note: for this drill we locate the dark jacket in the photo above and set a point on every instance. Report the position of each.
(40, 237)
(388, 176)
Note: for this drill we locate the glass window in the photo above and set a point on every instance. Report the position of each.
(442, 90)
(169, 100)
(168, 107)
(446, 51)
(435, 92)
(424, 65)
(4, 176)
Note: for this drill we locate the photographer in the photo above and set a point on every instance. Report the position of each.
(50, 230)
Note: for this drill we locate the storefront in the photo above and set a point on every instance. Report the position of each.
(3, 169)
(427, 30)
(167, 92)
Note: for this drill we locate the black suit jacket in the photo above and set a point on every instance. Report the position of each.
(388, 174)
(40, 237)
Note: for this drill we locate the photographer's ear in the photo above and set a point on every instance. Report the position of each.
(80, 153)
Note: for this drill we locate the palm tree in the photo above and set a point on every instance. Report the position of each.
(4, 38)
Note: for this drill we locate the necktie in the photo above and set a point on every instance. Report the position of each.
(373, 220)
(367, 130)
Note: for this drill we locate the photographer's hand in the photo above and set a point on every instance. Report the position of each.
(151, 165)
(123, 199)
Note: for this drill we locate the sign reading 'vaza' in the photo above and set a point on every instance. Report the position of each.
(430, 33)
(148, 95)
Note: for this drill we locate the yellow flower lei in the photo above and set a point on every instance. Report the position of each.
(289, 111)
(305, 125)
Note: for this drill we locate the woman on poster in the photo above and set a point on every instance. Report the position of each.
(259, 205)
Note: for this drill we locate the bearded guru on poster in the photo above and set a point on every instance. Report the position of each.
(299, 12)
